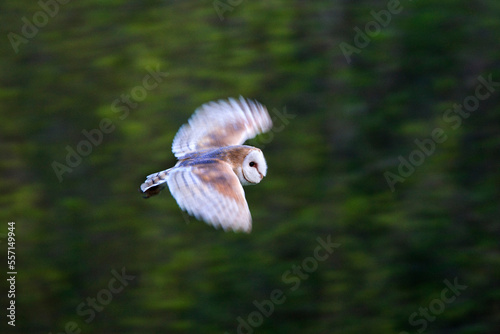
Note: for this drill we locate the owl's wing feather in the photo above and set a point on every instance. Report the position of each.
(213, 193)
(222, 123)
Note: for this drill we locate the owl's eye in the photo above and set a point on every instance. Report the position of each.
(251, 164)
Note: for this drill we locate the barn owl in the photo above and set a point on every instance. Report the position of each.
(213, 164)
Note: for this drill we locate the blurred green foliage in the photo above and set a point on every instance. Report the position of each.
(349, 122)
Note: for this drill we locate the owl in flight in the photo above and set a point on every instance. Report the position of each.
(213, 164)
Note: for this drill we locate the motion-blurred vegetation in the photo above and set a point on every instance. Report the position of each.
(112, 81)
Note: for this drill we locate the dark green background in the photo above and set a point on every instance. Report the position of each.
(349, 122)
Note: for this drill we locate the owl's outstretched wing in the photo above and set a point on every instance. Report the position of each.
(211, 192)
(221, 123)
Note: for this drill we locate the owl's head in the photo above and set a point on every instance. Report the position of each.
(254, 167)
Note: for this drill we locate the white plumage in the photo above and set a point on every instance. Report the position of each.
(213, 164)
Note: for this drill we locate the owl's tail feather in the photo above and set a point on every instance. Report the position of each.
(154, 183)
